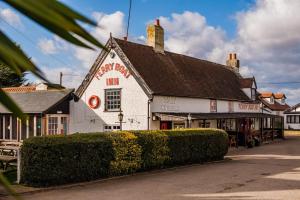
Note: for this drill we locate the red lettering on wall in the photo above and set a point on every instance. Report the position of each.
(112, 81)
(113, 66)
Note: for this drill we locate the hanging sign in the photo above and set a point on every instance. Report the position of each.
(94, 102)
(105, 68)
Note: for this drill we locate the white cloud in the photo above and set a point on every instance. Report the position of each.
(107, 23)
(10, 17)
(71, 77)
(267, 41)
(47, 46)
(188, 33)
(52, 46)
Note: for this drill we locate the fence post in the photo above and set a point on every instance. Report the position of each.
(18, 165)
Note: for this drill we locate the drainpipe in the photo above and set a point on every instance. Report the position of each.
(148, 113)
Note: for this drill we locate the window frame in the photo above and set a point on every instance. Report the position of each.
(106, 102)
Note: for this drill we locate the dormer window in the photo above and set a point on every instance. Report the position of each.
(283, 101)
(253, 93)
(271, 100)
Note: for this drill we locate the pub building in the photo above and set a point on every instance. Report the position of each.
(144, 87)
(46, 107)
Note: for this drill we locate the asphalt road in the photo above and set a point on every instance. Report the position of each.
(268, 172)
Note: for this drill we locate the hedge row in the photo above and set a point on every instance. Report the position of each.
(81, 157)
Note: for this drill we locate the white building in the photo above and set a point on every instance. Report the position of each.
(292, 117)
(157, 89)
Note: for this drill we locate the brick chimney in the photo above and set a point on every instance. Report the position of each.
(155, 37)
(233, 63)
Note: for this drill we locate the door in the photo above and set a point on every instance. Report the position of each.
(165, 125)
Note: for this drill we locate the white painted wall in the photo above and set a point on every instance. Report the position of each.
(134, 104)
(165, 104)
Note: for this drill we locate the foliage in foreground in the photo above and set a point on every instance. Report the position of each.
(81, 157)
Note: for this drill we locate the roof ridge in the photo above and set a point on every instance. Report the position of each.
(170, 52)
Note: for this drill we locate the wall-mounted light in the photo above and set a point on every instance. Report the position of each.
(112, 54)
(154, 117)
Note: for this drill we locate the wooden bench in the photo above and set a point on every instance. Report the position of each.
(5, 161)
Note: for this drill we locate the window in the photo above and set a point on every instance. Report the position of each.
(204, 124)
(108, 128)
(283, 101)
(52, 125)
(293, 119)
(179, 125)
(213, 105)
(64, 124)
(113, 100)
(272, 100)
(253, 93)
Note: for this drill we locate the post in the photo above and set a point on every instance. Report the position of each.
(18, 165)
(60, 78)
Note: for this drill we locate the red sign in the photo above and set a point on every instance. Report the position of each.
(112, 67)
(112, 81)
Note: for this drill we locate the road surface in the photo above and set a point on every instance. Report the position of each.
(271, 171)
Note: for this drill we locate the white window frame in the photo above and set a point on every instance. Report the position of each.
(113, 100)
(59, 125)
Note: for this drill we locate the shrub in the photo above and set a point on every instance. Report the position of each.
(57, 159)
(196, 145)
(155, 151)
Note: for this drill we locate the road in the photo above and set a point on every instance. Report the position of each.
(271, 171)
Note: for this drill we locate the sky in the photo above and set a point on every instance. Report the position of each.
(264, 34)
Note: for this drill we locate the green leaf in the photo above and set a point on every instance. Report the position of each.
(12, 56)
(4, 182)
(7, 102)
(57, 18)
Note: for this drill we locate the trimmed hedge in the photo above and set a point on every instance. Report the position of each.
(58, 160)
(196, 145)
(155, 150)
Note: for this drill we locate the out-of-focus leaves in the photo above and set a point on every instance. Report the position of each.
(11, 105)
(4, 182)
(12, 56)
(57, 18)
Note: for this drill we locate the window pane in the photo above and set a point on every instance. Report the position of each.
(112, 100)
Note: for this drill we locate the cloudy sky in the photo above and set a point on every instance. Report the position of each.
(264, 33)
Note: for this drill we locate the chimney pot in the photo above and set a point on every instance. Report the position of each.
(155, 37)
(157, 22)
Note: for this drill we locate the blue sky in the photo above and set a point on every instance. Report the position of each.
(264, 33)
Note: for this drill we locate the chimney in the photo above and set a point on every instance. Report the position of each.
(233, 63)
(155, 37)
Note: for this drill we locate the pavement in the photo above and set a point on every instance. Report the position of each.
(267, 172)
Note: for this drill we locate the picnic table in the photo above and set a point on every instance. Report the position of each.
(5, 161)
(8, 153)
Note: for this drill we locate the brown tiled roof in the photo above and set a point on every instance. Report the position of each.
(279, 95)
(276, 106)
(266, 94)
(246, 82)
(172, 74)
(20, 89)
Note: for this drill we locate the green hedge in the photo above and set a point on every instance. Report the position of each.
(196, 145)
(81, 157)
(155, 151)
(57, 159)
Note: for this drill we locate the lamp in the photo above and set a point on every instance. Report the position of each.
(189, 118)
(120, 116)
